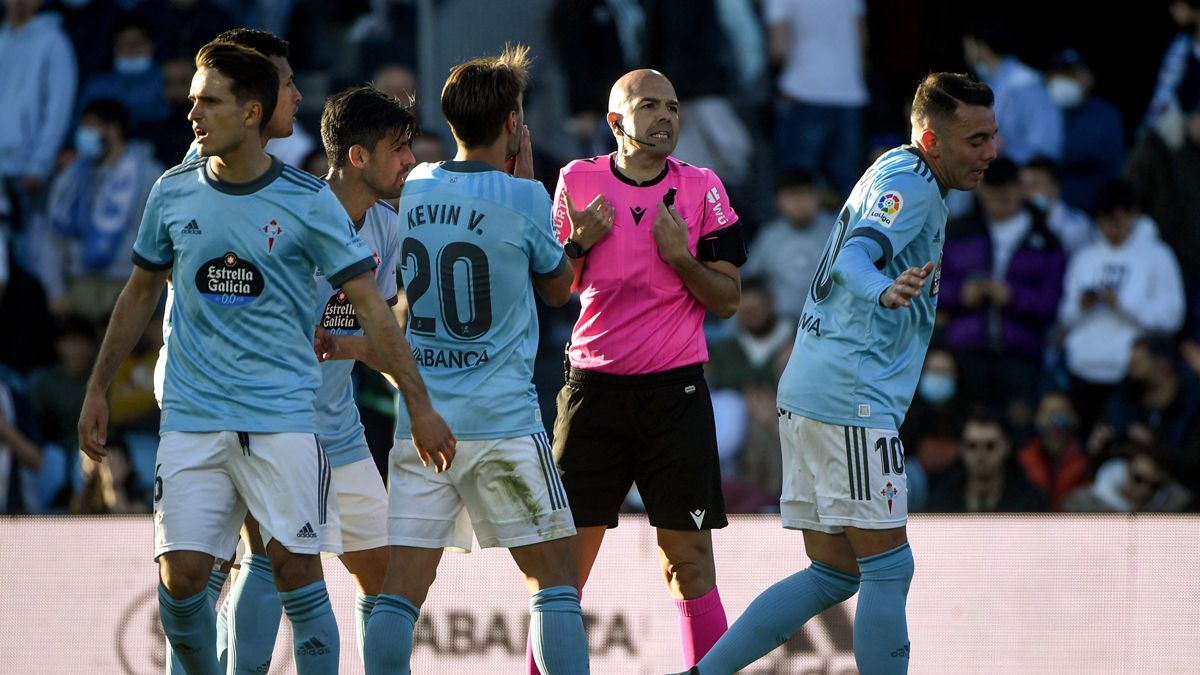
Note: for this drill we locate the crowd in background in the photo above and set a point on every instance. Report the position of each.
(1064, 374)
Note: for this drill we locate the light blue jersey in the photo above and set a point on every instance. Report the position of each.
(855, 362)
(471, 237)
(242, 258)
(338, 424)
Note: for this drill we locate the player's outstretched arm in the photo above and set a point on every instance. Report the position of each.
(717, 285)
(432, 437)
(906, 287)
(132, 312)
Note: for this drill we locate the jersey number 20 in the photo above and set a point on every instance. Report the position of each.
(451, 259)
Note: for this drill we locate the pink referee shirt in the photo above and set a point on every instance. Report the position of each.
(638, 316)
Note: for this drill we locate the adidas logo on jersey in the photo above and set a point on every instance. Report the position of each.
(192, 228)
(312, 647)
(307, 532)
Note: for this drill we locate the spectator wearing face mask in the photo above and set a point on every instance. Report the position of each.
(930, 430)
(94, 209)
(135, 80)
(1041, 184)
(1054, 460)
(1093, 132)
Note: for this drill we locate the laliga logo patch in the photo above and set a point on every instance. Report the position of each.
(886, 208)
(272, 230)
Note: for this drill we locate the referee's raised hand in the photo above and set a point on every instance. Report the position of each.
(591, 224)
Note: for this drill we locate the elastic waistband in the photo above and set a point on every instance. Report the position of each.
(679, 375)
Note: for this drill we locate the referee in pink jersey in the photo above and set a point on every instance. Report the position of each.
(654, 243)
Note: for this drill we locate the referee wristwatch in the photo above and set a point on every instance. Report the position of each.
(574, 250)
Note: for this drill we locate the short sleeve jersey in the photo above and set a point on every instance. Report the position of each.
(637, 316)
(855, 362)
(471, 239)
(242, 258)
(338, 424)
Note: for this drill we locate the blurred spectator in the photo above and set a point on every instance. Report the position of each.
(820, 46)
(20, 458)
(596, 41)
(1054, 460)
(94, 210)
(1093, 132)
(1040, 183)
(189, 23)
(134, 413)
(37, 87)
(786, 250)
(173, 134)
(1168, 179)
(1159, 404)
(1030, 123)
(56, 396)
(987, 478)
(1140, 482)
(429, 148)
(1125, 284)
(135, 80)
(396, 79)
(317, 163)
(1001, 281)
(88, 24)
(714, 136)
(930, 432)
(1178, 87)
(105, 487)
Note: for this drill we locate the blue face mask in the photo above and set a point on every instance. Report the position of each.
(88, 143)
(936, 388)
(132, 66)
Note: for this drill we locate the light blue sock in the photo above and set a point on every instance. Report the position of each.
(222, 637)
(775, 615)
(191, 626)
(880, 626)
(216, 580)
(556, 626)
(363, 604)
(314, 628)
(389, 644)
(254, 614)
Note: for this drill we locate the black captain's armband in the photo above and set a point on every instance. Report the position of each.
(727, 243)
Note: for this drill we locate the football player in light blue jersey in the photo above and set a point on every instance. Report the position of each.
(242, 234)
(476, 245)
(853, 370)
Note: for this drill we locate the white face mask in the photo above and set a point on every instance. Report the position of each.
(1065, 91)
(132, 66)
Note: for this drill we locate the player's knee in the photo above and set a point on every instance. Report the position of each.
(293, 570)
(838, 586)
(689, 578)
(895, 566)
(184, 575)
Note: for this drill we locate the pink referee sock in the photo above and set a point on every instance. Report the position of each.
(701, 623)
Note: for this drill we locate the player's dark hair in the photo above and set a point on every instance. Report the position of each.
(1115, 195)
(1002, 171)
(267, 44)
(108, 111)
(253, 77)
(1047, 164)
(480, 93)
(940, 94)
(363, 116)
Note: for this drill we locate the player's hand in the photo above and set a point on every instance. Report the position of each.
(670, 234)
(520, 165)
(325, 345)
(432, 437)
(93, 426)
(591, 224)
(906, 287)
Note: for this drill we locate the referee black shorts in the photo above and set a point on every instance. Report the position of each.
(656, 430)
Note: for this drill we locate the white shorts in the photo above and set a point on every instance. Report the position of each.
(510, 487)
(362, 505)
(838, 476)
(205, 482)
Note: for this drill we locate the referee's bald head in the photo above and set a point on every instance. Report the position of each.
(630, 84)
